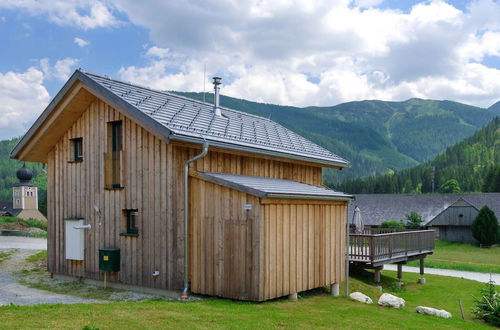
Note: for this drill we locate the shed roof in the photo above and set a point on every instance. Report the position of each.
(180, 118)
(376, 208)
(272, 188)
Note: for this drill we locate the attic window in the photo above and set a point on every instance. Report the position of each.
(76, 150)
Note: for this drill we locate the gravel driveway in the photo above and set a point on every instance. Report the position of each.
(15, 293)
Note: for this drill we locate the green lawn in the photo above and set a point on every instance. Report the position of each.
(314, 310)
(460, 256)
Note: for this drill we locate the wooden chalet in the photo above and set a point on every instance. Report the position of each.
(255, 222)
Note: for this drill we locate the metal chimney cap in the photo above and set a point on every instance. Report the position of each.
(217, 80)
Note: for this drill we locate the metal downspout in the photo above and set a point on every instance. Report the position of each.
(185, 291)
(347, 252)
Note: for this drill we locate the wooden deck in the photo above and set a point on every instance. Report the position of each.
(375, 246)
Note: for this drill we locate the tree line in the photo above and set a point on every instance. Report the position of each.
(472, 165)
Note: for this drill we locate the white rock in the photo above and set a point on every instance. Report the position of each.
(358, 296)
(388, 300)
(433, 312)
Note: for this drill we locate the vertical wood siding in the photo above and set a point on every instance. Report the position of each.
(268, 252)
(224, 244)
(152, 172)
(304, 247)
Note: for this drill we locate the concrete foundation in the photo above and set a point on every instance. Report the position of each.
(334, 289)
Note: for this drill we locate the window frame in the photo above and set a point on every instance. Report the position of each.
(130, 217)
(76, 150)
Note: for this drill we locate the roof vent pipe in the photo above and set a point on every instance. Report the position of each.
(217, 110)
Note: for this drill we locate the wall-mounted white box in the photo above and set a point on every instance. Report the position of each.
(75, 239)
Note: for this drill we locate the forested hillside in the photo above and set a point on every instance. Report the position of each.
(8, 168)
(376, 136)
(472, 165)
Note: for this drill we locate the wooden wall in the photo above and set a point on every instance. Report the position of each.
(277, 248)
(303, 246)
(224, 244)
(152, 184)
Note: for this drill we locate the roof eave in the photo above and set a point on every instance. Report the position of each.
(14, 154)
(236, 147)
(101, 92)
(345, 198)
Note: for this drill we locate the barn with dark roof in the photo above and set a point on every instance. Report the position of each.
(449, 214)
(155, 190)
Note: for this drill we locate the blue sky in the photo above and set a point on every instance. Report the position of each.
(300, 52)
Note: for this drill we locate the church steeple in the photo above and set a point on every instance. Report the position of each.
(24, 193)
(24, 174)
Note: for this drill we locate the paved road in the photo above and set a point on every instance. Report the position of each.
(480, 277)
(25, 243)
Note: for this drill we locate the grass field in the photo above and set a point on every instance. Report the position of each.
(460, 256)
(14, 223)
(313, 310)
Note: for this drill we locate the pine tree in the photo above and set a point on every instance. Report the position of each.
(485, 227)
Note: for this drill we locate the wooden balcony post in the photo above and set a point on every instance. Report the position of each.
(377, 277)
(421, 280)
(400, 275)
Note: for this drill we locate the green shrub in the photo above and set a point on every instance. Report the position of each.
(392, 224)
(413, 220)
(485, 227)
(487, 306)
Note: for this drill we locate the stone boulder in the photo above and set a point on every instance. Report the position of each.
(358, 296)
(388, 300)
(433, 312)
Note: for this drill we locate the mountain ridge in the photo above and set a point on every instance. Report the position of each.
(473, 163)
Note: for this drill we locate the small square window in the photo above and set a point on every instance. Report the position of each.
(77, 148)
(130, 222)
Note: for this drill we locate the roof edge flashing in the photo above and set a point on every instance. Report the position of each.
(261, 151)
(312, 197)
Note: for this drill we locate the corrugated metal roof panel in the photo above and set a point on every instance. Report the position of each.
(276, 187)
(187, 117)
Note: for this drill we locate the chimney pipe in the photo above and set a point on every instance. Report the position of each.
(217, 110)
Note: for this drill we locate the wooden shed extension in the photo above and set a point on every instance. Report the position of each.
(256, 238)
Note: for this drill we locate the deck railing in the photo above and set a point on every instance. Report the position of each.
(379, 247)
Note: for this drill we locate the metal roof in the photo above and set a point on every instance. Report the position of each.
(192, 120)
(376, 208)
(273, 188)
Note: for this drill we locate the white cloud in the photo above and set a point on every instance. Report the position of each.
(84, 14)
(22, 98)
(80, 42)
(321, 52)
(59, 71)
(158, 52)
